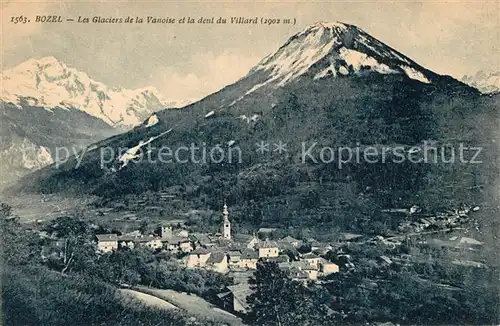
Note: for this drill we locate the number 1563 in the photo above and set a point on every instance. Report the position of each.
(19, 19)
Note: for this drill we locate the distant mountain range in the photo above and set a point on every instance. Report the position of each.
(485, 82)
(49, 83)
(331, 84)
(46, 105)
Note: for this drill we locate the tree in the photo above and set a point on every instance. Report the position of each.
(5, 210)
(124, 266)
(75, 248)
(17, 245)
(144, 227)
(278, 300)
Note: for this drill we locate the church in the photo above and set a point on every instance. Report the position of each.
(226, 225)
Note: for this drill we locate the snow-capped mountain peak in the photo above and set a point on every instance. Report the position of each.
(333, 49)
(48, 82)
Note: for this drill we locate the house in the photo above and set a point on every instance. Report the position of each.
(311, 259)
(234, 257)
(278, 259)
(202, 240)
(198, 258)
(323, 251)
(285, 267)
(107, 242)
(235, 298)
(326, 267)
(148, 242)
(185, 245)
(288, 240)
(282, 259)
(165, 231)
(312, 271)
(240, 276)
(182, 233)
(173, 243)
(304, 271)
(299, 275)
(154, 243)
(316, 245)
(248, 259)
(126, 241)
(268, 249)
(245, 240)
(218, 262)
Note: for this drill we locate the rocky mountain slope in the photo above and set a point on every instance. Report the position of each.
(47, 105)
(32, 137)
(333, 85)
(485, 82)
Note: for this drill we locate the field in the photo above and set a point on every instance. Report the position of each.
(193, 305)
(148, 299)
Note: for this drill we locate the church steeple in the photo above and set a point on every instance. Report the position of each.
(226, 225)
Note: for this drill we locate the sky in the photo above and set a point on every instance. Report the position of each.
(189, 61)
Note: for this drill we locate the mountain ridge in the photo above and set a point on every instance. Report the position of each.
(364, 106)
(487, 83)
(49, 83)
(323, 56)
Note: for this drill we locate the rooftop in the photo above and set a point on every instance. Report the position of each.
(107, 237)
(174, 239)
(350, 236)
(266, 230)
(216, 257)
(289, 239)
(268, 244)
(243, 238)
(249, 254)
(310, 255)
(299, 274)
(234, 253)
(199, 251)
(241, 292)
(326, 262)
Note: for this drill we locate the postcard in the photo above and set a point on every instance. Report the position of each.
(250, 163)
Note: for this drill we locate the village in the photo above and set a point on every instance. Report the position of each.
(237, 255)
(226, 252)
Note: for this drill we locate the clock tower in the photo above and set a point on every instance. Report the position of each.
(226, 225)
